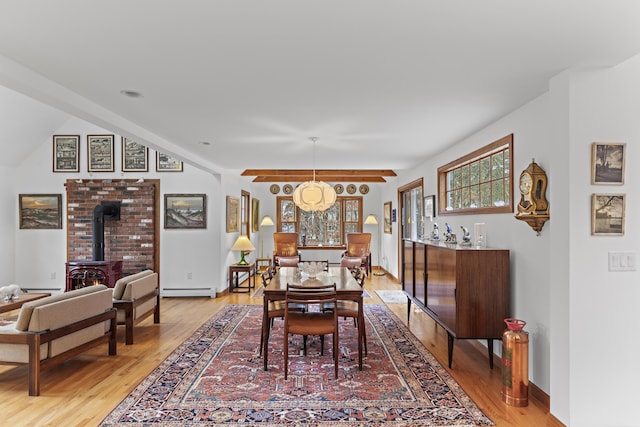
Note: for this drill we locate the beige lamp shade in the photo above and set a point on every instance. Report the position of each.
(314, 196)
(243, 244)
(371, 220)
(266, 221)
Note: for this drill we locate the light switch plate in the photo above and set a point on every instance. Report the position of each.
(622, 261)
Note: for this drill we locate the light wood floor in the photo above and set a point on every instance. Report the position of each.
(82, 391)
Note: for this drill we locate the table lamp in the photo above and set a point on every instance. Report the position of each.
(243, 244)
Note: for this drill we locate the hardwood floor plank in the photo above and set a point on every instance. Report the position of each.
(82, 391)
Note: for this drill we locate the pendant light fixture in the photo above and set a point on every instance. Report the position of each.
(312, 196)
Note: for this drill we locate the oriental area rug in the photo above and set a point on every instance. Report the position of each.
(216, 378)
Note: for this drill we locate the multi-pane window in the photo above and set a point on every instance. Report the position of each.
(480, 182)
(323, 228)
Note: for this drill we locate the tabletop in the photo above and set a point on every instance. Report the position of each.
(341, 276)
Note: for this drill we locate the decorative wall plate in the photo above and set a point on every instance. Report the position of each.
(275, 188)
(339, 188)
(351, 189)
(287, 189)
(364, 189)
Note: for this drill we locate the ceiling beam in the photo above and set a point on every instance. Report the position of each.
(331, 175)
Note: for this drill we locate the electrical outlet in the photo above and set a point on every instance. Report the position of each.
(189, 276)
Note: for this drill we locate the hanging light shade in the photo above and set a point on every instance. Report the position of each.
(312, 196)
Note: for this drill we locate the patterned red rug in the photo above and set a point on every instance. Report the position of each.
(215, 378)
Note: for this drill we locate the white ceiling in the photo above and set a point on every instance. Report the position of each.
(382, 84)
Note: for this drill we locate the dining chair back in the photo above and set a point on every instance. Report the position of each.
(285, 249)
(310, 322)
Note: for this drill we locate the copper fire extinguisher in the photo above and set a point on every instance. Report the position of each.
(515, 363)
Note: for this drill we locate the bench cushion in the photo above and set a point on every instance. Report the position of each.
(121, 284)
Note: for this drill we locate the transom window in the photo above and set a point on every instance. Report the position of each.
(326, 228)
(480, 182)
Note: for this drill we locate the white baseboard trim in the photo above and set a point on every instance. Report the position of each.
(182, 292)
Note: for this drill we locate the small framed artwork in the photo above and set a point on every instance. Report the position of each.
(40, 211)
(607, 163)
(233, 214)
(387, 217)
(166, 163)
(100, 153)
(66, 153)
(135, 156)
(430, 206)
(255, 215)
(185, 211)
(607, 214)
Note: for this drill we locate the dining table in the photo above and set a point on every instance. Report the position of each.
(347, 289)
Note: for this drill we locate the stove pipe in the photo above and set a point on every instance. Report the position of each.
(105, 210)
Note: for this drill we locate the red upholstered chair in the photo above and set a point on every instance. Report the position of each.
(358, 253)
(285, 249)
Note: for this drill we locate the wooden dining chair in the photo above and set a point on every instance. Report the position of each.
(349, 309)
(309, 322)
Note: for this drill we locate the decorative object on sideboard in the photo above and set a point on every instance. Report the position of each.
(533, 207)
(449, 236)
(480, 235)
(435, 233)
(313, 196)
(10, 292)
(466, 236)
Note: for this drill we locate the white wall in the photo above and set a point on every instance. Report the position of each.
(8, 225)
(583, 349)
(603, 354)
(182, 252)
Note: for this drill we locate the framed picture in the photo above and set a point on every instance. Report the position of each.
(430, 206)
(607, 163)
(135, 157)
(255, 215)
(166, 163)
(66, 153)
(387, 217)
(185, 211)
(40, 211)
(607, 214)
(233, 214)
(100, 153)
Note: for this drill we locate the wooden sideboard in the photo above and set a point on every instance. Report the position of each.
(464, 289)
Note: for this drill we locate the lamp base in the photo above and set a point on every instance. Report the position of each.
(379, 272)
(243, 261)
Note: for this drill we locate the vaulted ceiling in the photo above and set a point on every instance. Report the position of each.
(234, 85)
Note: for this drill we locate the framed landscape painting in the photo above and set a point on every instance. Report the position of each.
(166, 163)
(607, 214)
(40, 211)
(66, 153)
(387, 217)
(185, 211)
(135, 157)
(100, 153)
(233, 214)
(255, 215)
(607, 163)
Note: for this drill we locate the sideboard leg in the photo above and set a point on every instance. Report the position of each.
(490, 348)
(450, 347)
(408, 309)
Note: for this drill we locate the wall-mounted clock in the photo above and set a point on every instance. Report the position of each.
(533, 207)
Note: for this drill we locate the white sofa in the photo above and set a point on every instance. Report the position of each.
(51, 330)
(136, 297)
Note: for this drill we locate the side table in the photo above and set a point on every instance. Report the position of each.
(235, 269)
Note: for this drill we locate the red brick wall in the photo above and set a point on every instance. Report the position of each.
(131, 239)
